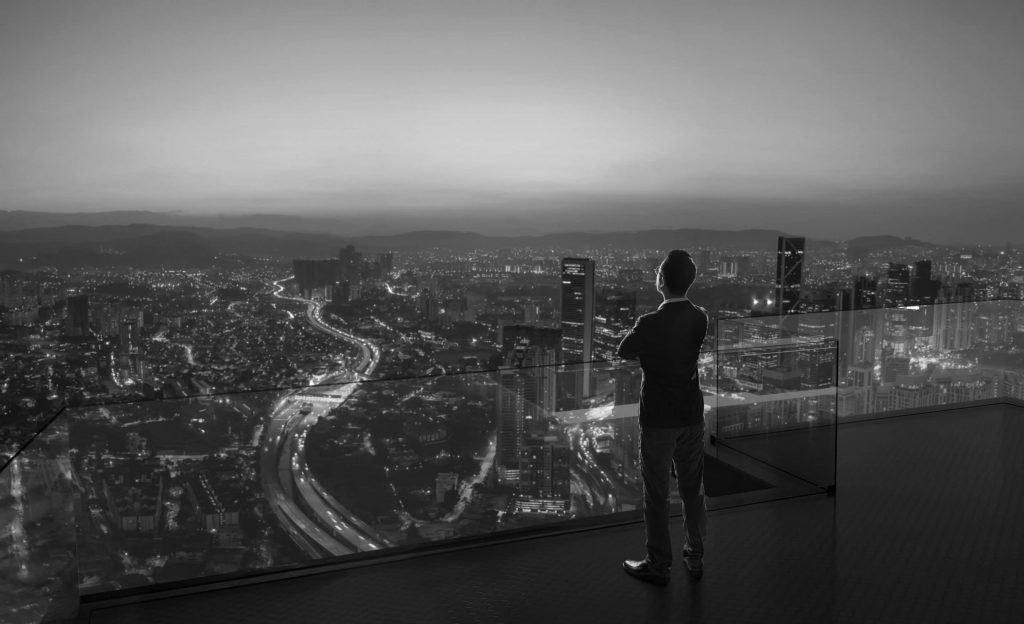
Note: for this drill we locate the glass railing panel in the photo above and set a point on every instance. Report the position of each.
(610, 445)
(908, 358)
(603, 439)
(178, 489)
(22, 419)
(233, 484)
(185, 488)
(243, 337)
(777, 405)
(37, 531)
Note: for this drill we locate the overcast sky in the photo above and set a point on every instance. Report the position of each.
(910, 108)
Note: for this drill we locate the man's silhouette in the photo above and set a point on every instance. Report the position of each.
(667, 342)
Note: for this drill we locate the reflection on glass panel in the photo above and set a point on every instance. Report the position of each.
(228, 484)
(777, 404)
(37, 536)
(194, 487)
(907, 358)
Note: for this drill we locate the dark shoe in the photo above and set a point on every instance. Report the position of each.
(694, 563)
(645, 572)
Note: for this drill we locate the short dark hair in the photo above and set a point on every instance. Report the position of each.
(678, 272)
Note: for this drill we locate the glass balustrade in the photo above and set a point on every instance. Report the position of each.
(38, 556)
(233, 484)
(776, 413)
(895, 360)
(124, 495)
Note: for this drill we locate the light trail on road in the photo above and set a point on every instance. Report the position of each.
(331, 528)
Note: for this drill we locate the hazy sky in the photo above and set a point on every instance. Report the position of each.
(257, 106)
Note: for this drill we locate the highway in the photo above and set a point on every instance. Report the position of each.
(318, 523)
(370, 357)
(598, 487)
(279, 488)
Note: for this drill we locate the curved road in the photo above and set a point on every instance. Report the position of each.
(314, 519)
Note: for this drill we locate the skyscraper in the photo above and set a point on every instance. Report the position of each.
(129, 335)
(578, 317)
(105, 362)
(728, 266)
(954, 324)
(525, 397)
(923, 269)
(349, 262)
(865, 291)
(78, 315)
(429, 305)
(315, 274)
(897, 334)
(615, 315)
(863, 345)
(544, 477)
(897, 287)
(923, 289)
(789, 273)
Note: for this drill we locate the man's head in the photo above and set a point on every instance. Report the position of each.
(676, 274)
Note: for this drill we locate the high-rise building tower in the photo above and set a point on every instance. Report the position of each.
(865, 292)
(525, 398)
(954, 325)
(578, 317)
(864, 345)
(105, 362)
(430, 306)
(315, 274)
(544, 477)
(349, 260)
(897, 287)
(129, 335)
(728, 266)
(923, 269)
(78, 315)
(615, 315)
(789, 273)
(923, 289)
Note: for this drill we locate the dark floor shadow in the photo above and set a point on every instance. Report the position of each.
(721, 479)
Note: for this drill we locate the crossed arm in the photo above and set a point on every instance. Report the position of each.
(636, 342)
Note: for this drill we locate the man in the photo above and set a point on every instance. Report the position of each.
(667, 342)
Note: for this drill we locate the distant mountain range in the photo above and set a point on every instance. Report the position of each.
(155, 240)
(24, 220)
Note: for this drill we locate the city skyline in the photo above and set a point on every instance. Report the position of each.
(262, 412)
(879, 117)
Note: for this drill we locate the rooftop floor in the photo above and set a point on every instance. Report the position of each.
(927, 526)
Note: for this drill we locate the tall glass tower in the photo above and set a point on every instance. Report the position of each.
(578, 318)
(897, 287)
(789, 273)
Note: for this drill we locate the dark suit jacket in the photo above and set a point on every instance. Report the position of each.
(667, 342)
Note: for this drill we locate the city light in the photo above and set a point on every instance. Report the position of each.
(322, 402)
